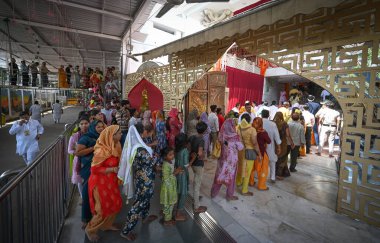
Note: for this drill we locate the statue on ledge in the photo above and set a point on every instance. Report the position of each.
(144, 101)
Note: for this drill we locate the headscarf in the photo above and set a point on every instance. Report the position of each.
(258, 124)
(146, 117)
(173, 113)
(132, 143)
(244, 124)
(228, 131)
(92, 133)
(204, 118)
(106, 146)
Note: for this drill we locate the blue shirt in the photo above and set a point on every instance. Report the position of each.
(313, 107)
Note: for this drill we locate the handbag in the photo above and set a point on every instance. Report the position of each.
(217, 150)
(249, 154)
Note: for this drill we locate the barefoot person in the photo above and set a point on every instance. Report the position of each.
(227, 163)
(103, 188)
(138, 154)
(248, 136)
(168, 195)
(182, 160)
(85, 153)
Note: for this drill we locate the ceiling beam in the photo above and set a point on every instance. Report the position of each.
(59, 47)
(64, 56)
(18, 13)
(55, 27)
(64, 21)
(92, 9)
(22, 46)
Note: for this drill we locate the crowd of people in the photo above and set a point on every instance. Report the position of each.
(122, 149)
(68, 77)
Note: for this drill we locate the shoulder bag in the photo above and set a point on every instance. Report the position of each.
(250, 154)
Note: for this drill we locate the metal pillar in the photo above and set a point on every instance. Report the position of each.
(6, 20)
(22, 100)
(9, 102)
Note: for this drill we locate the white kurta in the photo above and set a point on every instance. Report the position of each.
(36, 111)
(26, 136)
(274, 136)
(272, 111)
(57, 111)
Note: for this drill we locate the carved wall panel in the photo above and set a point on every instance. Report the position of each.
(337, 48)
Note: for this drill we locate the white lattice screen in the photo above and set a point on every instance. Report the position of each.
(239, 63)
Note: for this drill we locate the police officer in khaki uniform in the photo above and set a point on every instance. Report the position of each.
(329, 120)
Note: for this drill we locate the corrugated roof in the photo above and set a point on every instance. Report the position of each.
(33, 23)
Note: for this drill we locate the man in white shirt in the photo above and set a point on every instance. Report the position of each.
(236, 108)
(249, 110)
(264, 106)
(214, 124)
(298, 138)
(329, 120)
(57, 111)
(272, 110)
(28, 132)
(272, 148)
(309, 123)
(35, 111)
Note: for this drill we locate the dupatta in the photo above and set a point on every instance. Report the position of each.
(132, 143)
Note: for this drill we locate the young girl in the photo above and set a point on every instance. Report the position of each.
(182, 161)
(168, 196)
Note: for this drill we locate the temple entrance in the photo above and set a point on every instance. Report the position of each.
(209, 90)
(146, 96)
(317, 46)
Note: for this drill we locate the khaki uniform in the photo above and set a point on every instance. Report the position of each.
(329, 119)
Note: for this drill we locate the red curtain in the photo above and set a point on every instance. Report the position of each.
(155, 97)
(243, 86)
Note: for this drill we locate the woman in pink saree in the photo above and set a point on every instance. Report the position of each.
(227, 163)
(175, 125)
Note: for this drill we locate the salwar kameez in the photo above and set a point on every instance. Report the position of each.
(182, 160)
(261, 167)
(144, 188)
(227, 163)
(168, 195)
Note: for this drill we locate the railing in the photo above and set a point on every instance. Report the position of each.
(33, 204)
(17, 99)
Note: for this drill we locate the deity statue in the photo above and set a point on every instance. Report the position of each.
(144, 101)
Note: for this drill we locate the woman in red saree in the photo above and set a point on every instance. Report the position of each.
(175, 125)
(103, 189)
(261, 166)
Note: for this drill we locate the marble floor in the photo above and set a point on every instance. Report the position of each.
(300, 208)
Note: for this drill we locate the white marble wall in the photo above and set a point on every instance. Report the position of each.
(272, 89)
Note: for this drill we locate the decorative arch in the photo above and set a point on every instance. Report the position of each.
(155, 97)
(336, 48)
